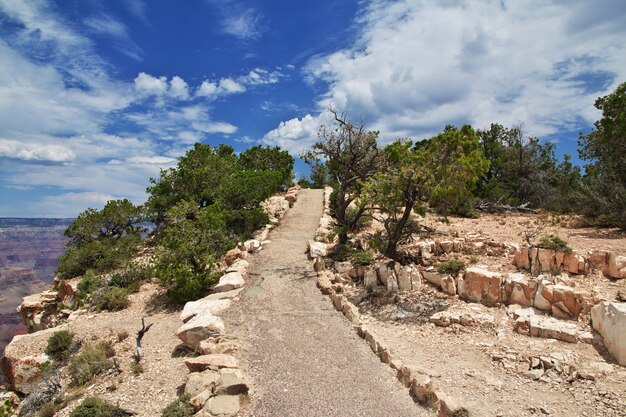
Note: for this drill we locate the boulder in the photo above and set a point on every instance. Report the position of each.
(544, 295)
(252, 245)
(350, 311)
(203, 306)
(449, 407)
(208, 347)
(568, 302)
(447, 246)
(223, 405)
(520, 289)
(199, 381)
(342, 267)
(231, 384)
(599, 259)
(22, 372)
(616, 266)
(404, 277)
(200, 328)
(423, 390)
(384, 272)
(275, 206)
(325, 282)
(370, 278)
(213, 362)
(480, 285)
(240, 265)
(229, 281)
(318, 249)
(571, 262)
(547, 259)
(549, 327)
(609, 319)
(232, 255)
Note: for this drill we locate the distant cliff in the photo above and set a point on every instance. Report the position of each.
(29, 254)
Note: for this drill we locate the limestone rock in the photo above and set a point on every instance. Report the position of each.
(370, 278)
(207, 347)
(275, 206)
(252, 245)
(408, 277)
(318, 249)
(232, 255)
(384, 272)
(240, 265)
(544, 295)
(520, 289)
(351, 312)
(616, 266)
(213, 362)
(22, 373)
(229, 281)
(548, 327)
(609, 319)
(203, 306)
(325, 283)
(422, 389)
(200, 328)
(200, 400)
(223, 405)
(480, 285)
(547, 259)
(599, 259)
(200, 381)
(342, 267)
(448, 407)
(231, 384)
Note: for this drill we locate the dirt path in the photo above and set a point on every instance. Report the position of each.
(302, 356)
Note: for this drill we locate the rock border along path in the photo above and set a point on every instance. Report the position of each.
(302, 356)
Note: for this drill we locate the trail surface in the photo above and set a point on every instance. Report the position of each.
(301, 354)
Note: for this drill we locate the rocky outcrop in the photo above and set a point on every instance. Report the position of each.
(49, 308)
(609, 319)
(22, 372)
(481, 285)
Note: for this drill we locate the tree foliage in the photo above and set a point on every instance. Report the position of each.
(400, 187)
(273, 159)
(101, 239)
(457, 162)
(351, 156)
(604, 197)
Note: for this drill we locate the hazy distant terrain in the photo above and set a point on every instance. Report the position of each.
(29, 254)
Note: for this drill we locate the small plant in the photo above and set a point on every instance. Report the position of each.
(97, 407)
(113, 299)
(369, 289)
(473, 259)
(59, 345)
(554, 242)
(122, 335)
(342, 252)
(131, 278)
(6, 409)
(453, 266)
(136, 368)
(377, 241)
(179, 408)
(90, 362)
(87, 285)
(362, 258)
(48, 410)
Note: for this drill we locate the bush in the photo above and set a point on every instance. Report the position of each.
(453, 266)
(362, 258)
(179, 408)
(89, 283)
(59, 345)
(90, 362)
(554, 242)
(131, 278)
(112, 299)
(6, 409)
(97, 407)
(341, 253)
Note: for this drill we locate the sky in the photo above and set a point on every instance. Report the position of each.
(97, 96)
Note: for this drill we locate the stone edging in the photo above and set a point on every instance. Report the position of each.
(420, 385)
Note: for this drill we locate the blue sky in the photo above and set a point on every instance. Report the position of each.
(97, 96)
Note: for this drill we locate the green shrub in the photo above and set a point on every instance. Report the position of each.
(132, 277)
(453, 266)
(179, 408)
(112, 299)
(341, 253)
(97, 407)
(6, 409)
(48, 410)
(90, 362)
(554, 242)
(362, 258)
(87, 285)
(59, 345)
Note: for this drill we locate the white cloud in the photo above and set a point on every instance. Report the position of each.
(244, 24)
(207, 89)
(34, 152)
(146, 84)
(106, 25)
(260, 76)
(417, 66)
(230, 86)
(179, 88)
(64, 205)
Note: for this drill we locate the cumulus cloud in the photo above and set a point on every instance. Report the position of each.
(179, 88)
(146, 84)
(230, 86)
(417, 66)
(35, 152)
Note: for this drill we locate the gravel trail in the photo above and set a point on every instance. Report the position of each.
(302, 355)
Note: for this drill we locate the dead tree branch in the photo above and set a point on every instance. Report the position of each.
(140, 333)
